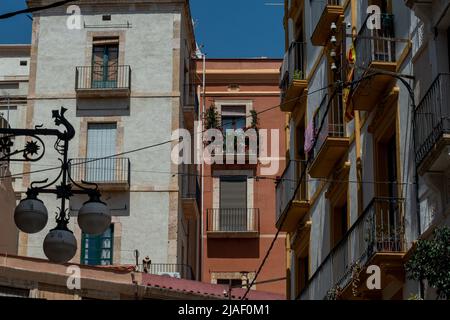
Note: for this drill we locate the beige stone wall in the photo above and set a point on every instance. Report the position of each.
(9, 233)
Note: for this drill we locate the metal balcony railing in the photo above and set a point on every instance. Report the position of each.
(328, 122)
(232, 220)
(183, 271)
(380, 229)
(432, 117)
(287, 185)
(377, 45)
(191, 188)
(103, 171)
(103, 77)
(293, 67)
(318, 7)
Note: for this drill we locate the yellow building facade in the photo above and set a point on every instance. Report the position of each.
(349, 197)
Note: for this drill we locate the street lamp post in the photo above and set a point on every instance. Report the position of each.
(31, 215)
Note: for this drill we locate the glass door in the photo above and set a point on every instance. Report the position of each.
(105, 66)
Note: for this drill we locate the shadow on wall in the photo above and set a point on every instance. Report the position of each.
(9, 236)
(103, 107)
(233, 249)
(117, 202)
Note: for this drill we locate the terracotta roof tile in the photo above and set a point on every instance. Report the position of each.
(202, 288)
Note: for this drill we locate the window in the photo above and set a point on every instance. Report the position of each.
(101, 143)
(233, 118)
(23, 62)
(339, 222)
(302, 273)
(448, 48)
(98, 250)
(235, 283)
(392, 167)
(10, 114)
(233, 203)
(105, 59)
(301, 164)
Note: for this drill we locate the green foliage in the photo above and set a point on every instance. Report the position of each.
(255, 120)
(298, 75)
(431, 261)
(212, 120)
(414, 297)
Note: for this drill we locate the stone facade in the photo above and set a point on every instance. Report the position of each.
(155, 39)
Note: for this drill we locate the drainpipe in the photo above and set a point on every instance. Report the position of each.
(202, 165)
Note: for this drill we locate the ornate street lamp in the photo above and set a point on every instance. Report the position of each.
(31, 215)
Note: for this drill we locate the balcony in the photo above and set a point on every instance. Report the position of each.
(375, 51)
(232, 223)
(324, 13)
(331, 143)
(110, 174)
(432, 127)
(378, 236)
(293, 76)
(180, 271)
(103, 81)
(291, 210)
(191, 196)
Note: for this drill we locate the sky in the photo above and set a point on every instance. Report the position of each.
(226, 29)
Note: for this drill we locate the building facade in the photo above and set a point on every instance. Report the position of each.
(431, 66)
(14, 66)
(356, 143)
(238, 196)
(125, 74)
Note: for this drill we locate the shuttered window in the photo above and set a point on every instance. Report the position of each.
(101, 143)
(98, 250)
(233, 203)
(233, 192)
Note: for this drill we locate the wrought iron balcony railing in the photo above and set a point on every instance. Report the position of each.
(103, 77)
(287, 185)
(293, 67)
(328, 124)
(182, 271)
(238, 220)
(375, 45)
(380, 229)
(432, 117)
(103, 171)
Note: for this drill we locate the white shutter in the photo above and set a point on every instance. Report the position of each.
(101, 143)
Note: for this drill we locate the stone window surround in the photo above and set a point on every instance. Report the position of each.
(117, 241)
(247, 103)
(91, 35)
(85, 121)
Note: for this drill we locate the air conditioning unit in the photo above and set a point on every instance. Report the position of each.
(170, 274)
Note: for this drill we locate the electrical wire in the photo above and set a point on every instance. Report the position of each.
(166, 142)
(272, 244)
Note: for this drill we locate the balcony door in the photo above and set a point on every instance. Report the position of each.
(105, 64)
(233, 204)
(389, 213)
(101, 143)
(97, 250)
(233, 118)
